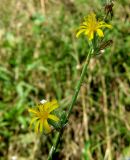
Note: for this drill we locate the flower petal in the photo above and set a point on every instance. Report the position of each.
(46, 126)
(86, 32)
(85, 23)
(41, 108)
(90, 35)
(83, 27)
(91, 18)
(53, 117)
(79, 32)
(33, 111)
(103, 24)
(46, 106)
(108, 26)
(33, 120)
(41, 125)
(53, 105)
(37, 126)
(100, 33)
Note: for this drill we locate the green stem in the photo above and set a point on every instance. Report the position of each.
(54, 147)
(79, 83)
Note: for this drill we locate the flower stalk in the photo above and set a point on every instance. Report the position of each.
(80, 82)
(74, 98)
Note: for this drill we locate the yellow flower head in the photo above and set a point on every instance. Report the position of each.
(42, 113)
(92, 25)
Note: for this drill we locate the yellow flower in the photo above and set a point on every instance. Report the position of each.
(42, 113)
(92, 25)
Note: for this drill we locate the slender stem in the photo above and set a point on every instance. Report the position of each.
(79, 83)
(54, 147)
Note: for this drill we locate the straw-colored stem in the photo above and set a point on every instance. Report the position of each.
(108, 154)
(43, 7)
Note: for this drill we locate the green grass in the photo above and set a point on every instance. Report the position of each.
(40, 58)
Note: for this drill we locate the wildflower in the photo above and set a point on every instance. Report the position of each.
(92, 25)
(42, 114)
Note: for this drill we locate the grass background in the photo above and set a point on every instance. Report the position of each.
(40, 58)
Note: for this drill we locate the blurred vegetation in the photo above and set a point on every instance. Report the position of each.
(40, 58)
